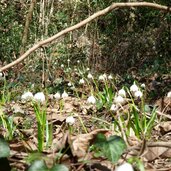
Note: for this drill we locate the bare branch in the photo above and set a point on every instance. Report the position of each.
(82, 23)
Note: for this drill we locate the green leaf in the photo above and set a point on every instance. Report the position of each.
(59, 167)
(4, 148)
(111, 148)
(38, 165)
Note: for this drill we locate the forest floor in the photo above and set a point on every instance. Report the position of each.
(85, 123)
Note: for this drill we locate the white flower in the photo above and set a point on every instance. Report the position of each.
(110, 77)
(114, 108)
(122, 92)
(50, 96)
(169, 94)
(105, 76)
(88, 69)
(57, 96)
(134, 88)
(101, 77)
(62, 65)
(27, 96)
(119, 100)
(125, 167)
(68, 60)
(1, 74)
(138, 94)
(143, 85)
(81, 81)
(91, 99)
(69, 84)
(39, 97)
(64, 94)
(78, 61)
(90, 76)
(70, 120)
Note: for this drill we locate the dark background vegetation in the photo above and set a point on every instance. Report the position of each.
(134, 43)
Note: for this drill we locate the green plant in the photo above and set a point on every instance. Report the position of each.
(111, 148)
(141, 120)
(43, 127)
(5, 93)
(8, 124)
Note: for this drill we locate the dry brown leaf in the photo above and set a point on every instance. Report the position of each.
(59, 141)
(17, 109)
(163, 127)
(79, 144)
(154, 152)
(167, 154)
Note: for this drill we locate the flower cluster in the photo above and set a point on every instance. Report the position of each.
(137, 93)
(40, 97)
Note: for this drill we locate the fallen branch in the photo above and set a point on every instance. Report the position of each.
(82, 23)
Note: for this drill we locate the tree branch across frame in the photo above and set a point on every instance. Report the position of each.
(82, 23)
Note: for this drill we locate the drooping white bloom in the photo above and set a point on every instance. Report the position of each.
(69, 84)
(62, 65)
(114, 107)
(169, 94)
(125, 167)
(64, 94)
(50, 96)
(70, 120)
(134, 88)
(68, 60)
(143, 85)
(57, 96)
(81, 81)
(122, 92)
(138, 94)
(91, 99)
(90, 76)
(110, 77)
(105, 76)
(101, 78)
(88, 69)
(27, 96)
(78, 61)
(1, 74)
(39, 97)
(119, 100)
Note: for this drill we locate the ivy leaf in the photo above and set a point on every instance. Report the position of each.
(38, 165)
(111, 148)
(59, 167)
(4, 148)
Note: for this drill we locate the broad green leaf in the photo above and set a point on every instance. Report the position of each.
(38, 165)
(59, 167)
(4, 148)
(111, 148)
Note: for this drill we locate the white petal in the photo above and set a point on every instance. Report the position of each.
(57, 96)
(70, 120)
(125, 167)
(64, 95)
(119, 100)
(39, 97)
(27, 96)
(114, 108)
(138, 94)
(134, 88)
(122, 93)
(169, 94)
(91, 99)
